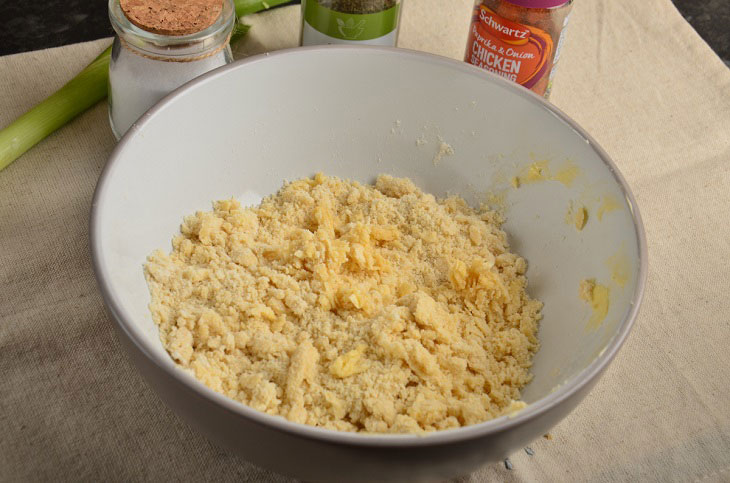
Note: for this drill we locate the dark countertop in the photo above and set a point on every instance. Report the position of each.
(37, 25)
(28, 25)
(711, 19)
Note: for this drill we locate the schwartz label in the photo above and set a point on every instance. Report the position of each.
(520, 53)
(324, 25)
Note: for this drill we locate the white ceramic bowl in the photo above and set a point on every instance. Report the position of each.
(357, 112)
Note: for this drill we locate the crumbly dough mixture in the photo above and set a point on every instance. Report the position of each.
(351, 307)
(598, 296)
(577, 215)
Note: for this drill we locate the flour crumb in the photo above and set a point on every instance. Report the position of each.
(577, 216)
(598, 296)
(585, 289)
(444, 149)
(359, 308)
(514, 408)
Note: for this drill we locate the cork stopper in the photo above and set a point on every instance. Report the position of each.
(172, 17)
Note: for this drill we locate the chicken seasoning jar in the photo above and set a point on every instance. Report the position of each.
(369, 22)
(519, 40)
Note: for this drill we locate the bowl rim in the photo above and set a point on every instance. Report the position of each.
(563, 392)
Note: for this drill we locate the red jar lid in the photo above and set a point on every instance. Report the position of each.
(538, 3)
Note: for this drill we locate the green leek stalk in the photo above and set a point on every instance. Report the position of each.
(247, 7)
(82, 92)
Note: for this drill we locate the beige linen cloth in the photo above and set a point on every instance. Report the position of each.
(633, 73)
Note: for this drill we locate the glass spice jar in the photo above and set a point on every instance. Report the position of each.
(519, 40)
(159, 46)
(368, 22)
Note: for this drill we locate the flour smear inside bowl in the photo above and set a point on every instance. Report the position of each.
(359, 308)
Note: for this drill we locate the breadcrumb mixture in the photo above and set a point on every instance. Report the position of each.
(350, 307)
(577, 215)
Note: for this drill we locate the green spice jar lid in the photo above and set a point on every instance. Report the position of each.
(358, 6)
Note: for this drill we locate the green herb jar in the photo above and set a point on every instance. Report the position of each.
(369, 22)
